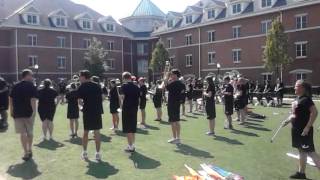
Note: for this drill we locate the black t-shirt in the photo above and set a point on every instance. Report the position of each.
(229, 89)
(4, 98)
(131, 94)
(213, 92)
(302, 112)
(72, 98)
(91, 94)
(175, 89)
(47, 97)
(62, 87)
(105, 91)
(21, 95)
(143, 92)
(243, 89)
(114, 96)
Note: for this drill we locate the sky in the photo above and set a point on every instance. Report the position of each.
(123, 8)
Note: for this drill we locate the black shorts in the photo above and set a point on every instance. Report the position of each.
(114, 109)
(174, 112)
(228, 108)
(305, 143)
(46, 113)
(143, 103)
(92, 121)
(157, 103)
(129, 120)
(211, 111)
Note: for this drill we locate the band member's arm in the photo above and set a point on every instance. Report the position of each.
(11, 107)
(33, 102)
(313, 117)
(209, 94)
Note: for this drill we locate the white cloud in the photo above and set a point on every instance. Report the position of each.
(124, 8)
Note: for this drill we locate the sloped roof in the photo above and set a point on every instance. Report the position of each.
(147, 8)
(7, 7)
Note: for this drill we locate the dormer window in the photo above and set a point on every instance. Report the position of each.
(236, 8)
(85, 21)
(61, 21)
(170, 23)
(30, 15)
(59, 18)
(188, 19)
(266, 3)
(86, 24)
(32, 19)
(211, 13)
(110, 27)
(107, 23)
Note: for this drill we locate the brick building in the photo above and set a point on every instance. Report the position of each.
(55, 35)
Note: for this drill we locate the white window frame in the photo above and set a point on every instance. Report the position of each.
(110, 63)
(61, 60)
(300, 17)
(141, 50)
(86, 43)
(189, 19)
(299, 76)
(211, 57)
(60, 18)
(211, 12)
(170, 23)
(188, 60)
(236, 59)
(211, 36)
(34, 60)
(110, 27)
(236, 30)
(188, 39)
(85, 23)
(267, 76)
(34, 39)
(232, 8)
(266, 5)
(61, 39)
(32, 19)
(267, 25)
(171, 60)
(300, 44)
(169, 42)
(110, 45)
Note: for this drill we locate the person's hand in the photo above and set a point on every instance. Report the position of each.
(305, 131)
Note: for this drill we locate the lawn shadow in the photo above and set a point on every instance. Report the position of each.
(25, 170)
(254, 120)
(3, 130)
(152, 127)
(258, 128)
(76, 141)
(228, 140)
(164, 122)
(198, 114)
(188, 116)
(191, 151)
(50, 145)
(253, 124)
(236, 131)
(142, 131)
(120, 133)
(181, 119)
(101, 170)
(105, 138)
(143, 162)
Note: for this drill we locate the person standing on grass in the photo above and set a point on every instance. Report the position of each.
(47, 107)
(4, 103)
(183, 97)
(240, 101)
(62, 90)
(279, 90)
(209, 95)
(175, 88)
(130, 93)
(114, 104)
(23, 104)
(143, 101)
(189, 94)
(90, 93)
(73, 110)
(228, 102)
(157, 100)
(304, 114)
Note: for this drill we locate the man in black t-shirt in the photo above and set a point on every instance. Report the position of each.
(143, 101)
(23, 110)
(130, 93)
(91, 95)
(228, 102)
(175, 89)
(4, 103)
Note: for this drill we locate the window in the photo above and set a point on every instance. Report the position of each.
(211, 57)
(188, 19)
(265, 26)
(236, 30)
(110, 63)
(170, 23)
(266, 3)
(86, 43)
(32, 19)
(61, 62)
(236, 55)
(60, 22)
(236, 8)
(110, 27)
(110, 45)
(211, 36)
(171, 60)
(267, 77)
(169, 43)
(188, 60)
(301, 49)
(188, 39)
(211, 13)
(142, 49)
(33, 60)
(301, 21)
(86, 24)
(61, 41)
(301, 76)
(32, 39)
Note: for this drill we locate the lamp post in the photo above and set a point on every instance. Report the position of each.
(36, 68)
(218, 67)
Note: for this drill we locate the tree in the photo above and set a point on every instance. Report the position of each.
(159, 57)
(275, 54)
(95, 58)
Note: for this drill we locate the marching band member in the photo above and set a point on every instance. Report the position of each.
(228, 102)
(143, 101)
(209, 94)
(258, 91)
(189, 94)
(183, 97)
(73, 109)
(279, 89)
(157, 100)
(240, 100)
(114, 104)
(4, 103)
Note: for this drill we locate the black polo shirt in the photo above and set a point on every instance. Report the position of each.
(175, 89)
(131, 94)
(91, 94)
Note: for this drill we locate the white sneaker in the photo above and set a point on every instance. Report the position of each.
(172, 141)
(142, 126)
(84, 155)
(129, 149)
(177, 141)
(112, 128)
(98, 156)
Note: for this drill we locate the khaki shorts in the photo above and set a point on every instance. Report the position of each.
(24, 125)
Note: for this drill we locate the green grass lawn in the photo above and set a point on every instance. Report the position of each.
(246, 151)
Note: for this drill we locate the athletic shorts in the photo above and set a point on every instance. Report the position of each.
(24, 125)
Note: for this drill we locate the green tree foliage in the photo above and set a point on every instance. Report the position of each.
(275, 54)
(159, 57)
(95, 58)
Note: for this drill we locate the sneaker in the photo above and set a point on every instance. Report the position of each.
(298, 175)
(157, 120)
(112, 128)
(143, 126)
(30, 154)
(230, 127)
(177, 141)
(172, 141)
(26, 157)
(241, 123)
(84, 155)
(210, 133)
(130, 149)
(98, 156)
